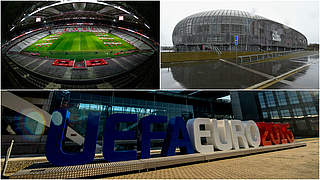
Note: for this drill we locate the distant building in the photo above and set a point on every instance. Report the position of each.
(313, 47)
(216, 30)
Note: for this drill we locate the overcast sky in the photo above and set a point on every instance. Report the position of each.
(302, 15)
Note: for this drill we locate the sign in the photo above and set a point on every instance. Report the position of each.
(236, 40)
(276, 36)
(221, 135)
(121, 18)
(38, 19)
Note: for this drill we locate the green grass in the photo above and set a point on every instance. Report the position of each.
(79, 46)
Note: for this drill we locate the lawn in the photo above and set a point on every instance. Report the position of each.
(80, 45)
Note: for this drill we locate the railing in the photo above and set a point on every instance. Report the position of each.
(217, 50)
(258, 57)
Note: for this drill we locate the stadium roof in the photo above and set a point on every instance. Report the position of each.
(80, 9)
(223, 12)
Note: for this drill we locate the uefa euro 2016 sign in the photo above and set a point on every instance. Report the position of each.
(220, 135)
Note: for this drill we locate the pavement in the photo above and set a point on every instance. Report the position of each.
(297, 163)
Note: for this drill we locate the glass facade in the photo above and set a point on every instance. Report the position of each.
(293, 97)
(261, 100)
(298, 108)
(281, 98)
(285, 113)
(80, 104)
(207, 31)
(270, 99)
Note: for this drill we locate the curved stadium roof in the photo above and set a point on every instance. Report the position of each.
(84, 9)
(224, 12)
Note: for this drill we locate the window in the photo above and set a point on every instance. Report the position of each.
(236, 20)
(237, 28)
(297, 112)
(281, 98)
(214, 29)
(94, 107)
(314, 123)
(311, 110)
(261, 100)
(306, 96)
(301, 124)
(293, 98)
(189, 26)
(270, 99)
(274, 114)
(224, 28)
(265, 115)
(285, 113)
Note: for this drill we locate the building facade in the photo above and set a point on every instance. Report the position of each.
(298, 108)
(217, 30)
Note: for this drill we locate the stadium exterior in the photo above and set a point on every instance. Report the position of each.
(216, 30)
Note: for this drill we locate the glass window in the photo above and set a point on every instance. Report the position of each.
(297, 112)
(224, 28)
(261, 100)
(311, 110)
(214, 29)
(306, 96)
(274, 114)
(265, 115)
(285, 113)
(293, 98)
(270, 99)
(314, 123)
(281, 98)
(219, 19)
(301, 124)
(218, 28)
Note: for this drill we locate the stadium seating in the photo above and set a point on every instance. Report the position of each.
(132, 40)
(40, 71)
(28, 41)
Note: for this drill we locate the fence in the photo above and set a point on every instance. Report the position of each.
(258, 57)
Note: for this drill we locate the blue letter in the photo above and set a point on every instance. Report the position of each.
(177, 136)
(110, 134)
(56, 136)
(146, 135)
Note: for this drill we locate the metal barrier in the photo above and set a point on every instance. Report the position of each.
(257, 57)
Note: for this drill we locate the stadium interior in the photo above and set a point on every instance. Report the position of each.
(80, 45)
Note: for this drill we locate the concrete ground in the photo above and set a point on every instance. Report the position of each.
(297, 163)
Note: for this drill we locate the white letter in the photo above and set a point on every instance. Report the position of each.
(193, 127)
(220, 134)
(252, 133)
(237, 133)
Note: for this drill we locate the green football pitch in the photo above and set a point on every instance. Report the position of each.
(79, 45)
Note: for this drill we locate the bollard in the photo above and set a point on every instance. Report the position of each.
(7, 158)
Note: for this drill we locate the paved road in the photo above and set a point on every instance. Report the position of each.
(294, 163)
